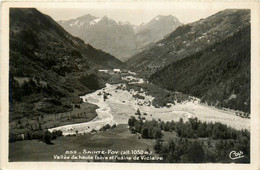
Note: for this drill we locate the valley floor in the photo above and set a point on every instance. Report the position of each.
(116, 105)
(120, 105)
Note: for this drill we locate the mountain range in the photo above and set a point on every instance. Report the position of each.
(119, 39)
(49, 68)
(189, 39)
(209, 59)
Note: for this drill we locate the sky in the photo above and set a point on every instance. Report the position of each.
(135, 16)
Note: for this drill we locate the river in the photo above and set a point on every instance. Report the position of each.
(121, 105)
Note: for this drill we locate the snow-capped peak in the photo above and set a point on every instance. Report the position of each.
(159, 17)
(75, 23)
(95, 21)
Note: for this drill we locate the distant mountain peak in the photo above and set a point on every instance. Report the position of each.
(121, 38)
(190, 38)
(105, 17)
(159, 17)
(86, 17)
(163, 16)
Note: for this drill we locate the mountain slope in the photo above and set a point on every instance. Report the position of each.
(103, 33)
(119, 39)
(156, 29)
(218, 74)
(49, 68)
(190, 39)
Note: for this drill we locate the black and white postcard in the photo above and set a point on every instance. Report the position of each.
(130, 85)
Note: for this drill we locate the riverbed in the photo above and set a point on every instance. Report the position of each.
(121, 104)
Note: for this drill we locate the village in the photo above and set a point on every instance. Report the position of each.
(117, 104)
(116, 71)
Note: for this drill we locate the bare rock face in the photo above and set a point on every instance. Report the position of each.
(156, 29)
(119, 39)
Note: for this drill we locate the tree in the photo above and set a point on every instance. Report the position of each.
(56, 133)
(40, 126)
(131, 121)
(157, 134)
(105, 96)
(195, 153)
(138, 125)
(167, 126)
(145, 133)
(47, 136)
(157, 146)
(194, 123)
(138, 112)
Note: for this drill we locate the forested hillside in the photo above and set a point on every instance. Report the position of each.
(189, 39)
(49, 68)
(219, 75)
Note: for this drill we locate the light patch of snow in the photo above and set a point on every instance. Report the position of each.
(95, 21)
(75, 23)
(201, 21)
(157, 18)
(81, 23)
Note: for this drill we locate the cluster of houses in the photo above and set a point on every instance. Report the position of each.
(116, 71)
(111, 71)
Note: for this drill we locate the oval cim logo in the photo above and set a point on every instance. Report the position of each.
(235, 155)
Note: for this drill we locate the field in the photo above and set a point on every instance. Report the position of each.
(118, 139)
(85, 113)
